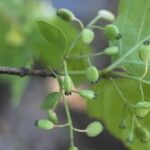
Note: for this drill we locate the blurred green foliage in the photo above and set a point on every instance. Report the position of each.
(21, 41)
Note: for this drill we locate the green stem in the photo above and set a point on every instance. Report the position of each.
(112, 66)
(62, 125)
(76, 72)
(80, 23)
(126, 103)
(79, 130)
(70, 124)
(88, 60)
(141, 90)
(74, 42)
(146, 70)
(92, 22)
(130, 77)
(65, 67)
(87, 55)
(97, 27)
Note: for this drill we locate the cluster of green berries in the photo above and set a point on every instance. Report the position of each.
(92, 73)
(142, 108)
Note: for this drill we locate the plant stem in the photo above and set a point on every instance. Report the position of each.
(130, 77)
(93, 21)
(87, 55)
(97, 27)
(70, 125)
(127, 104)
(74, 42)
(65, 67)
(79, 130)
(112, 66)
(141, 90)
(146, 70)
(61, 125)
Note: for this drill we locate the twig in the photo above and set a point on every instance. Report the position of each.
(25, 72)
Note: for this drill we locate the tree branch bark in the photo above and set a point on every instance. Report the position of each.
(25, 72)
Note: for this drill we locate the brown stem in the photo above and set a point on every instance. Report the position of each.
(25, 72)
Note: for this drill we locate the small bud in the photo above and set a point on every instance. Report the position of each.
(73, 148)
(130, 137)
(87, 94)
(143, 104)
(142, 134)
(111, 50)
(94, 129)
(87, 36)
(106, 15)
(44, 124)
(52, 116)
(112, 32)
(68, 84)
(142, 109)
(92, 74)
(122, 124)
(144, 52)
(141, 113)
(66, 14)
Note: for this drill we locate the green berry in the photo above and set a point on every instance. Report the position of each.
(65, 14)
(106, 15)
(87, 36)
(87, 94)
(52, 116)
(143, 104)
(130, 137)
(68, 84)
(92, 74)
(123, 124)
(142, 109)
(141, 112)
(144, 52)
(142, 134)
(94, 129)
(112, 32)
(44, 124)
(111, 50)
(73, 148)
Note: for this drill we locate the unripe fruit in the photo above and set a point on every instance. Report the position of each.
(130, 137)
(142, 134)
(112, 32)
(52, 116)
(143, 104)
(44, 124)
(65, 14)
(94, 129)
(88, 94)
(68, 84)
(144, 52)
(141, 112)
(123, 124)
(87, 36)
(106, 15)
(92, 74)
(73, 148)
(142, 109)
(111, 50)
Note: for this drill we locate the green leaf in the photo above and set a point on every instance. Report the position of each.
(51, 100)
(109, 108)
(54, 36)
(133, 22)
